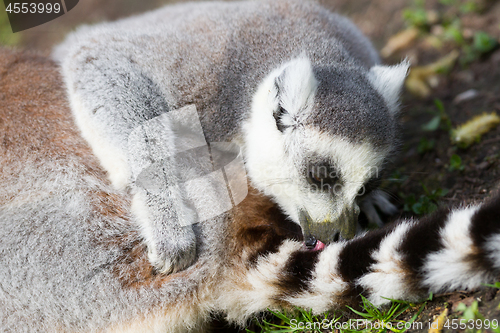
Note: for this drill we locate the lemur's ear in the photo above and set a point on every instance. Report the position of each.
(388, 81)
(295, 86)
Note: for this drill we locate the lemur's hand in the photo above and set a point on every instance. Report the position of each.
(377, 200)
(175, 254)
(167, 230)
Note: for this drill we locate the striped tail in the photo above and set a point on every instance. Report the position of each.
(449, 250)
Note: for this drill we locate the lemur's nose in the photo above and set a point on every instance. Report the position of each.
(313, 244)
(310, 242)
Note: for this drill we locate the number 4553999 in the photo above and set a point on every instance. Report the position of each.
(26, 7)
(470, 324)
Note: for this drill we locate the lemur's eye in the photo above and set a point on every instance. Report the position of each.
(323, 177)
(277, 118)
(314, 178)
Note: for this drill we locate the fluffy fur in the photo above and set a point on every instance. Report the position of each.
(297, 87)
(72, 257)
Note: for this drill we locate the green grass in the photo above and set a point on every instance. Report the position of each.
(368, 319)
(449, 17)
(295, 321)
(416, 16)
(472, 320)
(456, 163)
(426, 145)
(440, 119)
(426, 203)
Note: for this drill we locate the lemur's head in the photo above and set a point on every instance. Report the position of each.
(317, 139)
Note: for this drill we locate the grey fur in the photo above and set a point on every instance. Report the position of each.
(55, 256)
(72, 257)
(212, 55)
(215, 55)
(155, 175)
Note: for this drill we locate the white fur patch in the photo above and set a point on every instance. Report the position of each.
(493, 245)
(209, 196)
(326, 286)
(139, 209)
(388, 81)
(246, 295)
(112, 160)
(387, 276)
(449, 269)
(297, 88)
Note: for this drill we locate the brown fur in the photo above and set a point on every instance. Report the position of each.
(33, 100)
(259, 227)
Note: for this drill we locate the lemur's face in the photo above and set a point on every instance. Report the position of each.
(316, 142)
(330, 175)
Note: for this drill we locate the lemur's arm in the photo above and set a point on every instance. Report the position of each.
(119, 110)
(449, 250)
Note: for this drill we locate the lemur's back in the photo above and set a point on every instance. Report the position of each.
(214, 54)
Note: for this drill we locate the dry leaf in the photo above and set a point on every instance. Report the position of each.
(470, 132)
(399, 41)
(437, 325)
(422, 78)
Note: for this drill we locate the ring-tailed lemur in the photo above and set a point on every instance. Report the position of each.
(72, 257)
(298, 88)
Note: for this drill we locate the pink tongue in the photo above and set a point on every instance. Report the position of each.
(319, 246)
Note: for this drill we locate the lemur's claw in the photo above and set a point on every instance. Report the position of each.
(377, 201)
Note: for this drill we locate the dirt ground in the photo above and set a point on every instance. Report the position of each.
(426, 171)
